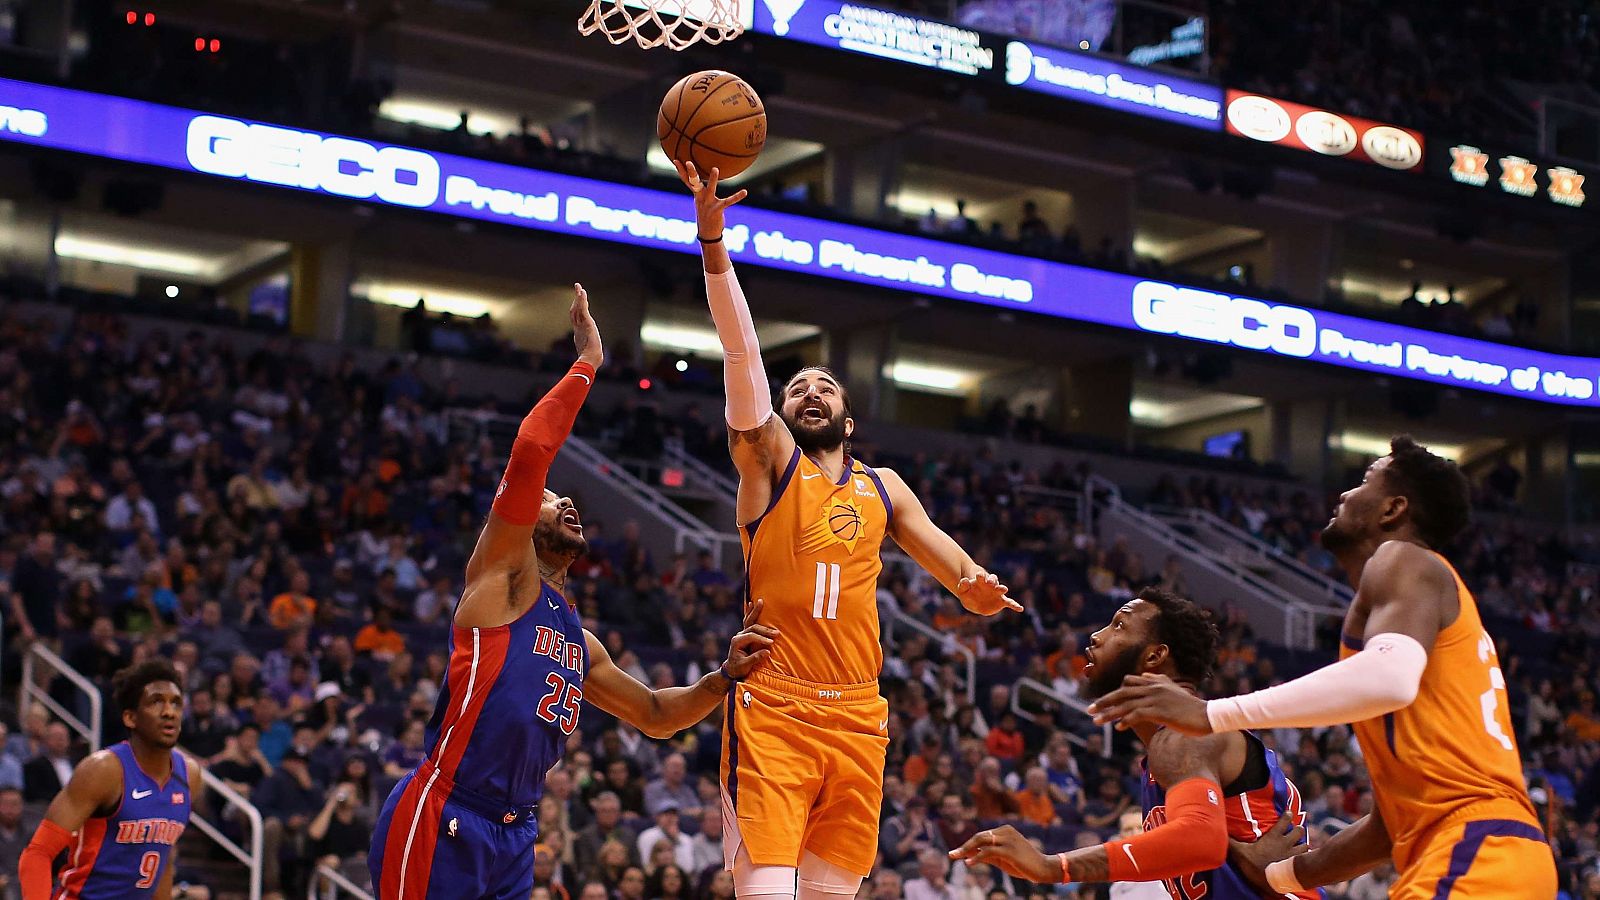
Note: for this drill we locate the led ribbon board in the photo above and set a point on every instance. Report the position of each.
(372, 172)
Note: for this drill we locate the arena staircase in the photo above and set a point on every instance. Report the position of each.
(1275, 612)
(1250, 552)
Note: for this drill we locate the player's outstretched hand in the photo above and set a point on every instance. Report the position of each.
(752, 646)
(1007, 850)
(1155, 700)
(1282, 840)
(585, 334)
(708, 207)
(982, 593)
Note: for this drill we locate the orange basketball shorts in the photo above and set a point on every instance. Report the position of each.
(802, 769)
(1480, 859)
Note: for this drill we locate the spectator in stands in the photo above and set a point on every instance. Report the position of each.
(435, 602)
(16, 829)
(666, 829)
(631, 885)
(206, 729)
(36, 589)
(241, 763)
(706, 846)
(295, 608)
(288, 801)
(46, 774)
(339, 834)
(397, 559)
(908, 834)
(671, 788)
(1033, 800)
(933, 881)
(607, 827)
(378, 638)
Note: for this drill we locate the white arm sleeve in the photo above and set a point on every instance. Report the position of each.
(749, 394)
(1380, 679)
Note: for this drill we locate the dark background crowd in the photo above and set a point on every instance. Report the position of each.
(292, 536)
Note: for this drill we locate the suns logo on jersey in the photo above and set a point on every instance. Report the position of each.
(842, 521)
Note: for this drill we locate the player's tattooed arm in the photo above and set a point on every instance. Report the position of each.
(978, 590)
(760, 455)
(665, 712)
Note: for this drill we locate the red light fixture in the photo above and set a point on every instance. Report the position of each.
(216, 45)
(199, 44)
(133, 17)
(644, 384)
(149, 19)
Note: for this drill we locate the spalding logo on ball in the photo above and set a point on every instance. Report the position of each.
(714, 120)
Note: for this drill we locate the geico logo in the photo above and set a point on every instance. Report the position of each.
(1259, 118)
(1240, 321)
(30, 122)
(1391, 147)
(1326, 133)
(302, 159)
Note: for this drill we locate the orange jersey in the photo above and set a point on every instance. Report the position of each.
(813, 559)
(1451, 754)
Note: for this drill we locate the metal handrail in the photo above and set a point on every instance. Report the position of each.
(252, 858)
(30, 690)
(1039, 687)
(682, 458)
(1299, 617)
(901, 617)
(1320, 583)
(340, 883)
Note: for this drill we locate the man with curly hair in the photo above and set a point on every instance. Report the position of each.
(121, 814)
(1198, 792)
(1419, 679)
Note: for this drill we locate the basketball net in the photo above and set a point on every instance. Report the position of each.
(662, 23)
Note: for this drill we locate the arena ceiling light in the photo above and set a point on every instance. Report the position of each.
(677, 337)
(73, 246)
(1376, 445)
(777, 154)
(406, 295)
(442, 116)
(937, 379)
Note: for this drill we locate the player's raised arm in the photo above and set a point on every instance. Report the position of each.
(758, 441)
(1193, 839)
(506, 541)
(978, 590)
(665, 712)
(1411, 596)
(96, 785)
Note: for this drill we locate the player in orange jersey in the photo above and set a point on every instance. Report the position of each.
(805, 737)
(1419, 678)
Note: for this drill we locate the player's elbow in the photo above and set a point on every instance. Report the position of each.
(660, 731)
(1211, 847)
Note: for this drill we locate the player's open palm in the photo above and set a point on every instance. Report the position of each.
(708, 207)
(1007, 850)
(1152, 700)
(585, 333)
(982, 593)
(752, 646)
(1282, 840)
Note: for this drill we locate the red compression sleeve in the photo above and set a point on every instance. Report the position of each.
(521, 491)
(33, 869)
(1194, 838)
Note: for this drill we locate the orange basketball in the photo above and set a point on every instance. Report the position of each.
(712, 119)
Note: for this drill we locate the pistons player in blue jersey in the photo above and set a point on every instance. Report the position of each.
(122, 812)
(1199, 793)
(463, 823)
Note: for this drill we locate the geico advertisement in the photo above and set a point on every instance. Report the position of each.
(336, 166)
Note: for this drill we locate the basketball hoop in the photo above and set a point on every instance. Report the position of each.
(674, 24)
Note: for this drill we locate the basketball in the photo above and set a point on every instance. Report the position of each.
(844, 522)
(712, 119)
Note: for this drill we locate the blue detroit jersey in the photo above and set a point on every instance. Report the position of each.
(127, 853)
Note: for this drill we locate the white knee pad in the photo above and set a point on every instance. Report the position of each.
(822, 879)
(750, 880)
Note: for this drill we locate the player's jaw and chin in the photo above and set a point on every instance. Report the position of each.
(1107, 668)
(813, 436)
(554, 535)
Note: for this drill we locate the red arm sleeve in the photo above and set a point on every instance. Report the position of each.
(33, 869)
(1194, 838)
(521, 491)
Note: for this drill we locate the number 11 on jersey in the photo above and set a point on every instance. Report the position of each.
(825, 604)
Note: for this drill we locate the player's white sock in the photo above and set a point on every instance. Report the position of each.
(822, 880)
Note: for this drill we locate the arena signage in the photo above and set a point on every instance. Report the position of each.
(877, 32)
(1503, 171)
(1274, 121)
(1036, 67)
(334, 166)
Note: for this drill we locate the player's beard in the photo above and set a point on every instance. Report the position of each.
(819, 437)
(554, 539)
(1338, 538)
(1110, 670)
